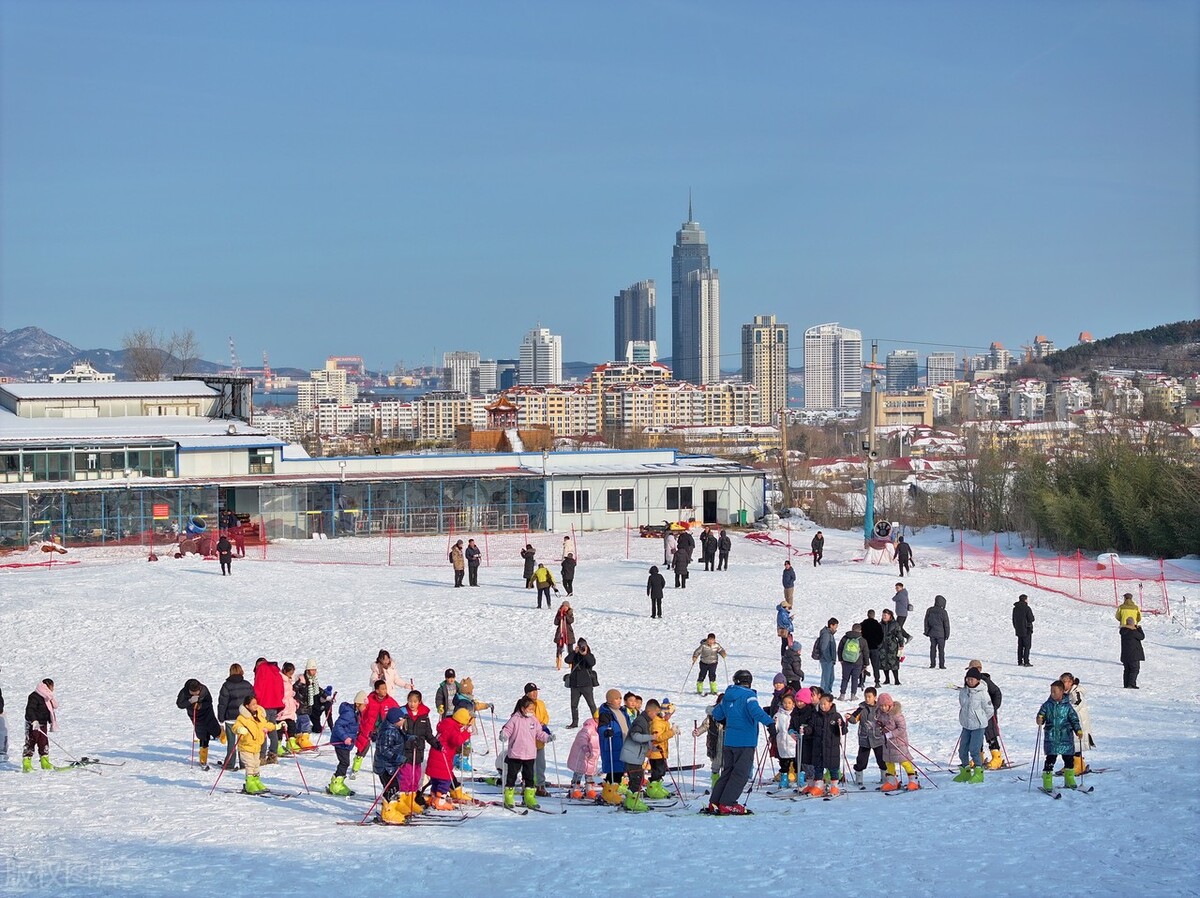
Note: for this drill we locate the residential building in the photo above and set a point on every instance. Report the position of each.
(82, 372)
(901, 370)
(1042, 347)
(765, 363)
(909, 408)
(635, 317)
(541, 358)
(328, 383)
(460, 372)
(832, 367)
(1071, 395)
(980, 402)
(1027, 399)
(940, 368)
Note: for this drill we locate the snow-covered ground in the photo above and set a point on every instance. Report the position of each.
(120, 635)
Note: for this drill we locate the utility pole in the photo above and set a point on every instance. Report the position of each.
(872, 454)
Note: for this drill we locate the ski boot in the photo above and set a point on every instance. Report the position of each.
(458, 793)
(732, 810)
(913, 783)
(1047, 781)
(510, 798)
(633, 802)
(306, 741)
(712, 687)
(963, 775)
(357, 764)
(529, 797)
(996, 761)
(591, 793)
(576, 793)
(890, 783)
(858, 778)
(391, 813)
(337, 786)
(834, 792)
(440, 802)
(976, 775)
(253, 785)
(293, 745)
(1069, 778)
(610, 793)
(27, 765)
(45, 762)
(699, 687)
(817, 789)
(656, 791)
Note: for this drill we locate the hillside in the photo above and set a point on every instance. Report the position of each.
(1173, 348)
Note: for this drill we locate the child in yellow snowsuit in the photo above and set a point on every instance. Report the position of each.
(251, 729)
(661, 733)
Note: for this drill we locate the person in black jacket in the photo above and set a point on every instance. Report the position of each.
(826, 729)
(724, 544)
(681, 562)
(225, 555)
(904, 556)
(568, 573)
(708, 549)
(195, 698)
(472, 554)
(1022, 619)
(528, 554)
(582, 679)
(655, 584)
(937, 628)
(234, 692)
(872, 632)
(40, 719)
(1132, 653)
(818, 547)
(792, 670)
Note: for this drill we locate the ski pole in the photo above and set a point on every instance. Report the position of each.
(689, 679)
(845, 758)
(300, 770)
(726, 664)
(58, 745)
(675, 783)
(954, 751)
(1000, 739)
(1033, 763)
(562, 795)
(192, 759)
(694, 727)
(228, 758)
(750, 785)
(386, 786)
(920, 772)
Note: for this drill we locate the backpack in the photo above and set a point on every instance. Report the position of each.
(851, 651)
(816, 649)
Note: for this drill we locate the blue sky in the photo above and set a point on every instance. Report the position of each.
(398, 179)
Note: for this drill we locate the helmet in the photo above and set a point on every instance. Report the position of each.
(743, 678)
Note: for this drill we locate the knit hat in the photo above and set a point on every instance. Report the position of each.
(393, 715)
(885, 698)
(462, 715)
(974, 674)
(310, 664)
(360, 697)
(804, 696)
(779, 680)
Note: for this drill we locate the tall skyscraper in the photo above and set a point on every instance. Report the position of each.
(635, 317)
(940, 368)
(460, 372)
(541, 357)
(695, 307)
(901, 370)
(832, 367)
(765, 363)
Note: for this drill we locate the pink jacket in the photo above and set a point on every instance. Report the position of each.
(585, 751)
(289, 699)
(523, 734)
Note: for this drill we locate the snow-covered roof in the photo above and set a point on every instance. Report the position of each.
(114, 390)
(15, 430)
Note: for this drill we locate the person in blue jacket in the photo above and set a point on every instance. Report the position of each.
(740, 712)
(342, 736)
(389, 753)
(784, 627)
(612, 727)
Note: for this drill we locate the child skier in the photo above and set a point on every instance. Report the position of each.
(389, 755)
(709, 652)
(827, 729)
(251, 730)
(522, 733)
(786, 742)
(418, 732)
(342, 736)
(443, 699)
(195, 698)
(371, 720)
(802, 717)
(41, 718)
(452, 734)
(870, 739)
(633, 754)
(612, 726)
(584, 759)
(1074, 693)
(464, 697)
(896, 752)
(1061, 725)
(661, 733)
(974, 711)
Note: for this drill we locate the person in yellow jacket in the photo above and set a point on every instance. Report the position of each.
(251, 730)
(1129, 608)
(661, 734)
(542, 713)
(544, 581)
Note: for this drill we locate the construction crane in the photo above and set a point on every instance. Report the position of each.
(234, 364)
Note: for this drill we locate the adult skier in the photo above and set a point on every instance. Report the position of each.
(1022, 620)
(197, 701)
(740, 712)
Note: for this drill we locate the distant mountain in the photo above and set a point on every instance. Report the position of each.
(30, 350)
(1173, 348)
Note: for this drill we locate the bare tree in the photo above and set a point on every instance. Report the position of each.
(149, 355)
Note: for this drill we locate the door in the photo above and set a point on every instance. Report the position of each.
(710, 507)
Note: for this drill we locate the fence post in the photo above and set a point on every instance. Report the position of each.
(1079, 572)
(487, 555)
(962, 564)
(262, 535)
(1033, 564)
(626, 537)
(995, 555)
(1162, 582)
(1113, 564)
(389, 548)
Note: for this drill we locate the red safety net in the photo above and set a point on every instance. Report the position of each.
(1096, 581)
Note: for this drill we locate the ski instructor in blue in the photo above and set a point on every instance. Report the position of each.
(740, 712)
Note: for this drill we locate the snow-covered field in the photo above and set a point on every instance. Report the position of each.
(120, 637)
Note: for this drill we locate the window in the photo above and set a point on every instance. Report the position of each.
(575, 502)
(679, 497)
(620, 500)
(262, 461)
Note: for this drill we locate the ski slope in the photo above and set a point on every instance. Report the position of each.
(119, 636)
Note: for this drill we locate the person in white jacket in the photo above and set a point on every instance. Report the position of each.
(786, 743)
(1074, 694)
(974, 711)
(384, 669)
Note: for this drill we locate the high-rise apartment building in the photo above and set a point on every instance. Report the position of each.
(832, 367)
(940, 368)
(901, 370)
(461, 372)
(765, 363)
(695, 307)
(635, 317)
(541, 358)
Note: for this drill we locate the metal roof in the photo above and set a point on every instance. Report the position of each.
(114, 390)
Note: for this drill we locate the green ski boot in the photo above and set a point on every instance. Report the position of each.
(530, 798)
(633, 802)
(46, 765)
(254, 785)
(1048, 781)
(976, 775)
(337, 786)
(357, 765)
(656, 791)
(699, 687)
(510, 798)
(27, 765)
(963, 775)
(712, 687)
(1069, 778)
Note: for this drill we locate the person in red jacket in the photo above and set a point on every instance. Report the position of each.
(452, 733)
(268, 689)
(378, 704)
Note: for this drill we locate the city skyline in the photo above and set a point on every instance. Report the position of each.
(866, 158)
